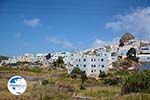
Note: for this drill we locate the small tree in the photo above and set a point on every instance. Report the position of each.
(83, 78)
(76, 71)
(102, 74)
(48, 56)
(131, 54)
(58, 62)
(121, 44)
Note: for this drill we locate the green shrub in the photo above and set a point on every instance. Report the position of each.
(76, 70)
(36, 69)
(73, 76)
(102, 74)
(59, 62)
(45, 82)
(137, 82)
(83, 78)
(113, 81)
(121, 73)
(131, 54)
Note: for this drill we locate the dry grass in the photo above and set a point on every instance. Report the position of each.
(99, 91)
(62, 87)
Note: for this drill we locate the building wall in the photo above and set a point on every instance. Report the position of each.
(144, 57)
(145, 50)
(91, 64)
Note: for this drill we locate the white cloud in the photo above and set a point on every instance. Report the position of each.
(138, 22)
(32, 22)
(101, 43)
(115, 40)
(60, 42)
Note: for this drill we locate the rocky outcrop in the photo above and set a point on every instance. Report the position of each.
(126, 37)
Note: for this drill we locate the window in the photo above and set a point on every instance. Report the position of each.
(79, 60)
(102, 65)
(94, 59)
(94, 65)
(95, 70)
(92, 71)
(77, 65)
(91, 59)
(91, 65)
(84, 65)
(84, 59)
(102, 59)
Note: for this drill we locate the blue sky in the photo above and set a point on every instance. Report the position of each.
(67, 25)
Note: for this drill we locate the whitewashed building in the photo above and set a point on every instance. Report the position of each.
(9, 61)
(122, 51)
(145, 50)
(144, 57)
(40, 57)
(92, 64)
(64, 55)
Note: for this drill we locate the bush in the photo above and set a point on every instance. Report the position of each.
(36, 69)
(73, 76)
(113, 81)
(76, 70)
(121, 73)
(102, 74)
(45, 82)
(131, 54)
(137, 82)
(59, 62)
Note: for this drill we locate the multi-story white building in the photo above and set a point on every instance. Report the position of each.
(92, 64)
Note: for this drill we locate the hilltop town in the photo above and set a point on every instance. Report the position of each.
(109, 72)
(93, 60)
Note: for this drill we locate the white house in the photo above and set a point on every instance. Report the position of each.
(144, 57)
(123, 50)
(40, 56)
(10, 61)
(145, 50)
(65, 56)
